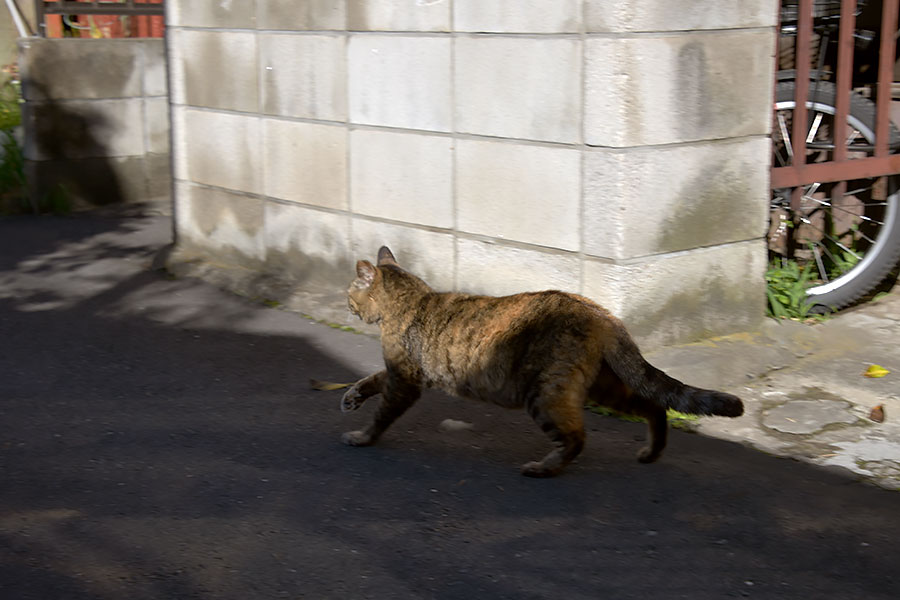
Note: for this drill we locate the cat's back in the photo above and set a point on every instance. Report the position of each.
(454, 314)
(469, 344)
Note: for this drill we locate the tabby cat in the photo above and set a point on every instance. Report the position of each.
(550, 352)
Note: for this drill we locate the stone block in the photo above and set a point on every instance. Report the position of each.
(228, 14)
(129, 177)
(304, 76)
(84, 129)
(308, 245)
(155, 65)
(315, 15)
(86, 182)
(178, 141)
(684, 296)
(402, 176)
(217, 223)
(214, 69)
(676, 88)
(677, 15)
(519, 192)
(489, 268)
(158, 174)
(305, 162)
(519, 87)
(156, 125)
(400, 81)
(643, 201)
(64, 69)
(217, 149)
(427, 254)
(517, 16)
(398, 15)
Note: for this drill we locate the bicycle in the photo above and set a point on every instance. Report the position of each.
(849, 241)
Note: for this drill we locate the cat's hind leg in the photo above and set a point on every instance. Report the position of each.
(658, 427)
(560, 417)
(396, 398)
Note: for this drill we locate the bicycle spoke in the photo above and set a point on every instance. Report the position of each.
(864, 236)
(831, 238)
(785, 136)
(782, 162)
(863, 190)
(814, 129)
(819, 263)
(842, 209)
(831, 257)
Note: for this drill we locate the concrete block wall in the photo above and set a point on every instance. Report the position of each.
(616, 148)
(96, 120)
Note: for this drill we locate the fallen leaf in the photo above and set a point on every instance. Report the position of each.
(876, 371)
(327, 386)
(877, 414)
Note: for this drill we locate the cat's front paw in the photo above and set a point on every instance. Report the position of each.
(352, 400)
(356, 438)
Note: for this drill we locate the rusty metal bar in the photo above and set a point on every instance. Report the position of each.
(840, 168)
(876, 166)
(39, 18)
(801, 90)
(843, 83)
(885, 76)
(844, 77)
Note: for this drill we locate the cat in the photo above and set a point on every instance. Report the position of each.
(549, 352)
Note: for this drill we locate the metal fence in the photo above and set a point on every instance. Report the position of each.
(809, 14)
(835, 203)
(51, 14)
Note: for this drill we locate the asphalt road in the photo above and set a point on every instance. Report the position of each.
(158, 440)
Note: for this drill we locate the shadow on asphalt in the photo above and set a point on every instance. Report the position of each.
(158, 440)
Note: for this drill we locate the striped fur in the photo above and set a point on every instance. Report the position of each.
(547, 352)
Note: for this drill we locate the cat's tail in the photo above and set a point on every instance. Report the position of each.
(646, 380)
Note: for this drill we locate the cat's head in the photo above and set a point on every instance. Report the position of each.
(366, 294)
(384, 290)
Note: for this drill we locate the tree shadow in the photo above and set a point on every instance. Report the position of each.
(67, 149)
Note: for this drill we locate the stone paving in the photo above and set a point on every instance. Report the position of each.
(804, 388)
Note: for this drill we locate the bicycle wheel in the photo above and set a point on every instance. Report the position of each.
(851, 240)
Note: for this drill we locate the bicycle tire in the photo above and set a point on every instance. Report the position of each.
(884, 257)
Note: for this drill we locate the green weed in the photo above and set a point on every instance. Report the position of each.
(843, 261)
(12, 172)
(13, 193)
(678, 420)
(10, 105)
(608, 412)
(346, 328)
(786, 284)
(58, 200)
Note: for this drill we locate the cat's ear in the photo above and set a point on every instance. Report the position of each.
(365, 272)
(385, 257)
